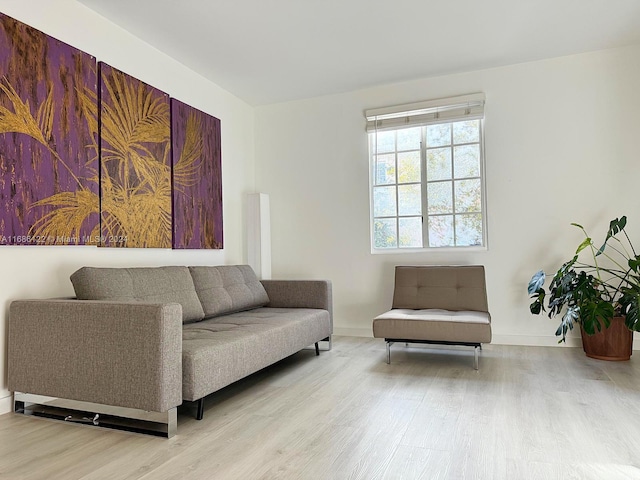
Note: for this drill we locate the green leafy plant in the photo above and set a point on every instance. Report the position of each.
(592, 293)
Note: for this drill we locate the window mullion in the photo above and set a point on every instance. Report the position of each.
(373, 166)
(483, 196)
(395, 159)
(423, 180)
(453, 187)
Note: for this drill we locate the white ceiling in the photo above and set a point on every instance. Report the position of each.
(269, 51)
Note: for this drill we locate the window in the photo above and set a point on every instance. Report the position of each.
(427, 174)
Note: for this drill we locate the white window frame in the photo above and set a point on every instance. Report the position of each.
(440, 111)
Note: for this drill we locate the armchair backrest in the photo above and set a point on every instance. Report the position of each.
(442, 287)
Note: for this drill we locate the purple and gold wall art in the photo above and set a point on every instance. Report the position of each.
(82, 165)
(135, 162)
(48, 143)
(197, 178)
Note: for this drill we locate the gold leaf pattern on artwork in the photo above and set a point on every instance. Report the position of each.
(20, 120)
(134, 118)
(136, 170)
(186, 170)
(65, 222)
(45, 116)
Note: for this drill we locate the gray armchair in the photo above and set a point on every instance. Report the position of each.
(439, 305)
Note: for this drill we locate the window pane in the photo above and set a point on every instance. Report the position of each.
(441, 231)
(468, 198)
(469, 229)
(438, 135)
(384, 201)
(409, 200)
(409, 167)
(386, 169)
(385, 141)
(466, 132)
(409, 139)
(410, 232)
(439, 197)
(466, 161)
(384, 233)
(439, 164)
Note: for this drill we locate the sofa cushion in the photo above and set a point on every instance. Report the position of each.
(228, 288)
(221, 350)
(152, 284)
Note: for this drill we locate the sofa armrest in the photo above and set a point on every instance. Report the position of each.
(300, 294)
(126, 354)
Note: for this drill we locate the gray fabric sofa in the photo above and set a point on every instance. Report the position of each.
(145, 339)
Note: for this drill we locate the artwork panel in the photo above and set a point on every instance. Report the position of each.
(48, 139)
(197, 178)
(135, 162)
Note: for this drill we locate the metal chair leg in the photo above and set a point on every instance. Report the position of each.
(475, 351)
(317, 349)
(389, 353)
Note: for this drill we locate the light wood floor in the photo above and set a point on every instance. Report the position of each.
(528, 413)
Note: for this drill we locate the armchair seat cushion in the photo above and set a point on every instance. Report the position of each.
(434, 325)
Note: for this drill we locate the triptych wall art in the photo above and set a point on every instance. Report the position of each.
(92, 156)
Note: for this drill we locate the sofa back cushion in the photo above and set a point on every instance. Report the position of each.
(152, 284)
(228, 288)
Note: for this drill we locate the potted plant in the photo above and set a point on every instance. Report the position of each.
(602, 295)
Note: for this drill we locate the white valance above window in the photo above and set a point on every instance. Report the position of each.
(464, 107)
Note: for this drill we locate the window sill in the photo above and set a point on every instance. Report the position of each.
(395, 251)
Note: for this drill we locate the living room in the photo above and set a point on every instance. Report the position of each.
(560, 145)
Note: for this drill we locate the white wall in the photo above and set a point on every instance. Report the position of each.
(34, 272)
(561, 146)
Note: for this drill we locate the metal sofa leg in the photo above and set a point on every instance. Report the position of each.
(317, 350)
(200, 409)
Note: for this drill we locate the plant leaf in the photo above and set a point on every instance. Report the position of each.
(536, 282)
(585, 243)
(537, 306)
(596, 314)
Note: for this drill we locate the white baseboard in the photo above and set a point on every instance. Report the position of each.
(521, 340)
(6, 404)
(535, 340)
(353, 332)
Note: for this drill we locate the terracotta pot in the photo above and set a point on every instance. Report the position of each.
(614, 343)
